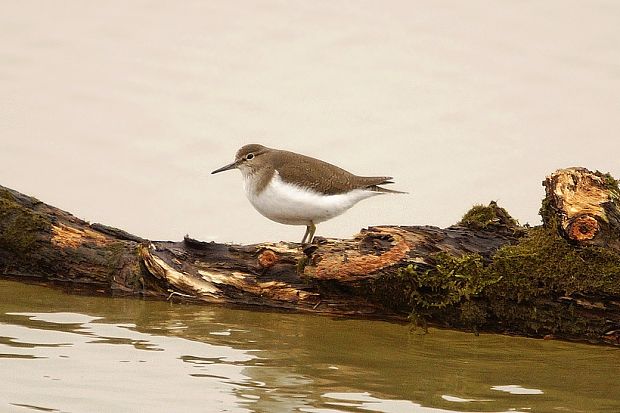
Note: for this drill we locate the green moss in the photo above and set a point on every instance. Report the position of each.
(120, 268)
(543, 263)
(301, 264)
(541, 269)
(610, 183)
(135, 275)
(440, 292)
(452, 280)
(473, 314)
(519, 290)
(487, 217)
(549, 215)
(115, 252)
(19, 226)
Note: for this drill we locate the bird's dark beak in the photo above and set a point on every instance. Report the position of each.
(231, 165)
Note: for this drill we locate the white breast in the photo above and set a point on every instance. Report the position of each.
(290, 204)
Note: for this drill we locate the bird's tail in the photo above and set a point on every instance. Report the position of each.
(376, 188)
(372, 184)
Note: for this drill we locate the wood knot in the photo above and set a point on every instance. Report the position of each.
(582, 228)
(267, 259)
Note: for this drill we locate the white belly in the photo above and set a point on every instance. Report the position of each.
(294, 205)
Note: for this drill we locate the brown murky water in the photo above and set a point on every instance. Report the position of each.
(63, 353)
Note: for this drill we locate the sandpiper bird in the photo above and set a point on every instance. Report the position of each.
(295, 189)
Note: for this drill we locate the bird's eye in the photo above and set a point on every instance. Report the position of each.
(249, 156)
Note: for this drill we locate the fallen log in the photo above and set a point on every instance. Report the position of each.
(487, 273)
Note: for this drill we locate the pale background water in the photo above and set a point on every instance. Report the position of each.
(117, 111)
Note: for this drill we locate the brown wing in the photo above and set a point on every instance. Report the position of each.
(293, 167)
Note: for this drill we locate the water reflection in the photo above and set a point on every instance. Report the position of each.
(365, 401)
(84, 362)
(70, 353)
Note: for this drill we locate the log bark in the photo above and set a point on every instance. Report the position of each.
(584, 206)
(478, 275)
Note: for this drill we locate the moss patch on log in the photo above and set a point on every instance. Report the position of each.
(443, 293)
(20, 227)
(492, 216)
(610, 183)
(529, 288)
(544, 263)
(549, 215)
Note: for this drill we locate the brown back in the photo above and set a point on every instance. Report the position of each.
(319, 175)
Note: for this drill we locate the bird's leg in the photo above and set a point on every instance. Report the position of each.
(303, 240)
(309, 234)
(311, 229)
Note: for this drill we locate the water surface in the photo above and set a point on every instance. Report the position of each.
(64, 353)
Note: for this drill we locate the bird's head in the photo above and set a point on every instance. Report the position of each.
(248, 159)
